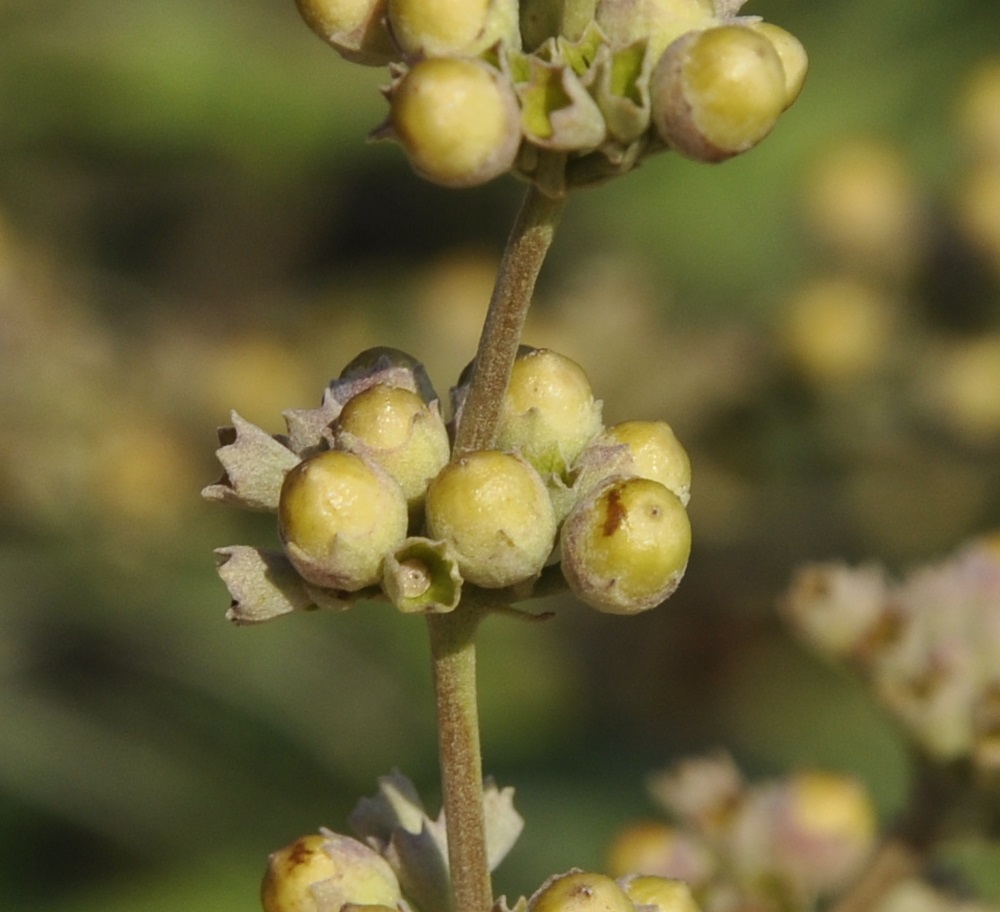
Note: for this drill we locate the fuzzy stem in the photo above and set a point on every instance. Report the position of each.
(453, 651)
(452, 636)
(522, 260)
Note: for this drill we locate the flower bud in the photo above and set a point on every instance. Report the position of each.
(625, 545)
(718, 92)
(548, 412)
(339, 514)
(580, 891)
(452, 27)
(457, 120)
(355, 28)
(794, 59)
(651, 450)
(659, 894)
(398, 430)
(322, 872)
(493, 509)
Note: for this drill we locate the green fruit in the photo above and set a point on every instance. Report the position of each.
(718, 92)
(339, 514)
(355, 28)
(493, 509)
(437, 28)
(655, 453)
(580, 891)
(660, 894)
(457, 119)
(625, 545)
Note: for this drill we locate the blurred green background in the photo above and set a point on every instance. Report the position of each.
(191, 221)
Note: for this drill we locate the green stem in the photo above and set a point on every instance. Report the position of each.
(527, 245)
(452, 636)
(453, 651)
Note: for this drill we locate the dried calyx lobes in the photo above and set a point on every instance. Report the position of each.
(482, 87)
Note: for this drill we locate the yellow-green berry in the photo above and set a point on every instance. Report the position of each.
(457, 119)
(625, 545)
(660, 894)
(717, 92)
(323, 871)
(437, 28)
(493, 509)
(794, 59)
(549, 412)
(653, 452)
(398, 430)
(580, 891)
(355, 28)
(339, 514)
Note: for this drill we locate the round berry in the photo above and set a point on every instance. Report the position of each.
(339, 514)
(493, 509)
(355, 28)
(580, 891)
(660, 894)
(436, 28)
(399, 431)
(794, 59)
(717, 92)
(625, 545)
(548, 412)
(457, 119)
(325, 870)
(654, 452)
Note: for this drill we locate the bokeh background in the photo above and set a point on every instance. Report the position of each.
(191, 221)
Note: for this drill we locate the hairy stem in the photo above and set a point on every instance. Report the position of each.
(522, 260)
(452, 636)
(453, 651)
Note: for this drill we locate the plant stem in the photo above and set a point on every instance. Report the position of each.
(453, 651)
(527, 245)
(452, 636)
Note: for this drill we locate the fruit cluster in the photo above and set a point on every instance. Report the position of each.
(566, 92)
(372, 502)
(784, 845)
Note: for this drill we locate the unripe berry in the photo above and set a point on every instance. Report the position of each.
(717, 92)
(322, 872)
(580, 891)
(339, 514)
(439, 28)
(653, 452)
(355, 28)
(457, 119)
(794, 59)
(399, 431)
(660, 894)
(548, 412)
(493, 509)
(625, 545)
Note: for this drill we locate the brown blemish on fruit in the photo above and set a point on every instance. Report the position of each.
(615, 514)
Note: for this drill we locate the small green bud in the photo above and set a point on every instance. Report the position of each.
(445, 28)
(659, 894)
(323, 871)
(399, 431)
(718, 92)
(457, 120)
(549, 412)
(355, 28)
(339, 514)
(493, 509)
(580, 891)
(625, 545)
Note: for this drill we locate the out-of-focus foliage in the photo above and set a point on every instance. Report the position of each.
(190, 221)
